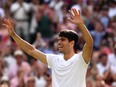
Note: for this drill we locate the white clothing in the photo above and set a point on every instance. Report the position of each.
(20, 13)
(22, 27)
(101, 68)
(40, 82)
(112, 12)
(2, 13)
(33, 24)
(112, 62)
(58, 10)
(10, 60)
(70, 73)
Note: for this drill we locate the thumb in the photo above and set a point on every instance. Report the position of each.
(69, 19)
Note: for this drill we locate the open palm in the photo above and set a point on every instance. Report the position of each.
(75, 16)
(9, 25)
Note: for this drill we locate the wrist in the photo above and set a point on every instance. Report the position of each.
(80, 24)
(13, 34)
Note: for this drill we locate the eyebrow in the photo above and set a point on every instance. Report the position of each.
(61, 38)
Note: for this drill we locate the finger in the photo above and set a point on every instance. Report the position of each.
(70, 20)
(75, 12)
(79, 12)
(71, 13)
(5, 25)
(7, 21)
(11, 22)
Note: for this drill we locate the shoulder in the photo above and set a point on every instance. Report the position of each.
(80, 58)
(51, 59)
(79, 54)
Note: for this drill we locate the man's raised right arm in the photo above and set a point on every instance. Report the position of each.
(25, 46)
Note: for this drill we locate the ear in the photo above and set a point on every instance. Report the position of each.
(72, 43)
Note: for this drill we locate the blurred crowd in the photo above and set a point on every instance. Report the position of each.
(38, 22)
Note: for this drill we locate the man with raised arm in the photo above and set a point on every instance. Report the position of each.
(68, 69)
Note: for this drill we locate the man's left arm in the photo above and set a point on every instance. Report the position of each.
(88, 47)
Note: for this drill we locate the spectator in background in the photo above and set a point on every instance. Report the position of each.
(112, 62)
(4, 82)
(21, 63)
(19, 79)
(39, 42)
(20, 13)
(33, 23)
(6, 6)
(30, 82)
(1, 68)
(112, 9)
(87, 17)
(101, 83)
(103, 66)
(40, 78)
(57, 5)
(78, 4)
(104, 18)
(97, 34)
(8, 57)
(44, 21)
(2, 13)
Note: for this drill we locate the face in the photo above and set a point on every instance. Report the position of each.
(104, 60)
(4, 85)
(64, 45)
(19, 59)
(30, 83)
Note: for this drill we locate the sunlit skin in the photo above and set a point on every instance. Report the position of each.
(4, 85)
(63, 45)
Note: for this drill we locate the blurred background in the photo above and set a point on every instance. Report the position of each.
(39, 22)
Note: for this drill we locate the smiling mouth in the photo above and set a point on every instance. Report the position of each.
(60, 49)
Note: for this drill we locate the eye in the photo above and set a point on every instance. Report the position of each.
(63, 39)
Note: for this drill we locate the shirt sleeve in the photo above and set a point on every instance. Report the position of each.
(50, 58)
(82, 59)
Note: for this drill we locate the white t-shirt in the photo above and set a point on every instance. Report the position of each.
(112, 61)
(70, 73)
(40, 82)
(102, 69)
(20, 13)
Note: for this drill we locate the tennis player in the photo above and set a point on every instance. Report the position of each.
(68, 69)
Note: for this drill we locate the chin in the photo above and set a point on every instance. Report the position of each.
(60, 51)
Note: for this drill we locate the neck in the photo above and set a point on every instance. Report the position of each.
(68, 55)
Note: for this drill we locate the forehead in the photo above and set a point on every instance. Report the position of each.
(61, 37)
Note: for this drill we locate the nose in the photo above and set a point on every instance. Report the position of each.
(59, 42)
